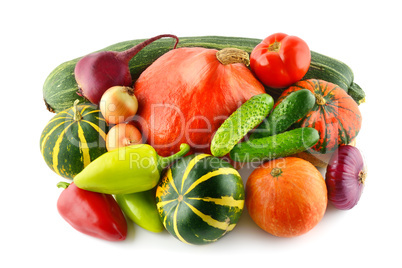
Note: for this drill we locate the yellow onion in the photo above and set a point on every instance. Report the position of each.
(118, 104)
(121, 135)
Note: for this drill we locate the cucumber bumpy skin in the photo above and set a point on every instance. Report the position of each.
(60, 88)
(249, 115)
(295, 106)
(271, 147)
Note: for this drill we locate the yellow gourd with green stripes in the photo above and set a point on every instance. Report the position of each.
(200, 199)
(73, 138)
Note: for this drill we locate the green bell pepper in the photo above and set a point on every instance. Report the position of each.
(131, 169)
(141, 209)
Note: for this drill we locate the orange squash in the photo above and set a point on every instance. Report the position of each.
(286, 197)
(187, 93)
(335, 115)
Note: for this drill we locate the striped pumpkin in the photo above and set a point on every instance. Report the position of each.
(200, 199)
(335, 114)
(73, 138)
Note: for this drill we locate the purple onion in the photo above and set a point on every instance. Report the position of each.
(345, 177)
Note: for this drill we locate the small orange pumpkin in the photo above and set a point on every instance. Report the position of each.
(286, 197)
(335, 115)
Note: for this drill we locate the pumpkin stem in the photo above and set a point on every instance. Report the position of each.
(320, 100)
(233, 55)
(77, 114)
(276, 172)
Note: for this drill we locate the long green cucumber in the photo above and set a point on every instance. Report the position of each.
(60, 88)
(249, 115)
(295, 106)
(271, 147)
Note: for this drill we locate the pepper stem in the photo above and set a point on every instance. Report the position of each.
(164, 162)
(233, 55)
(77, 114)
(63, 185)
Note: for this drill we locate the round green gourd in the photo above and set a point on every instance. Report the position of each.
(73, 138)
(200, 199)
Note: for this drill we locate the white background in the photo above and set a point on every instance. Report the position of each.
(36, 36)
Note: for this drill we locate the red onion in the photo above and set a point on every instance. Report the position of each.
(345, 177)
(97, 72)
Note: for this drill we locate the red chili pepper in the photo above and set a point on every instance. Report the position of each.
(92, 213)
(280, 60)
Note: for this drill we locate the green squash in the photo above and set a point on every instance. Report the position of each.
(73, 138)
(200, 198)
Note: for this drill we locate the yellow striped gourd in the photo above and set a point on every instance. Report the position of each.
(200, 198)
(73, 138)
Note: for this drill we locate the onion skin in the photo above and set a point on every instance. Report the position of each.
(118, 104)
(121, 135)
(345, 177)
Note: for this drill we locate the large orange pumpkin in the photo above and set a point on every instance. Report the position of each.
(335, 115)
(286, 197)
(187, 93)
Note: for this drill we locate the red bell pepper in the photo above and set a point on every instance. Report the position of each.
(92, 213)
(280, 60)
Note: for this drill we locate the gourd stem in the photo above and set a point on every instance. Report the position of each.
(164, 162)
(77, 114)
(233, 55)
(63, 185)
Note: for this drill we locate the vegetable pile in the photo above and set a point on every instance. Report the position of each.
(155, 135)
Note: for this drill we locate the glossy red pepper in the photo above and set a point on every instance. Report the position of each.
(92, 213)
(280, 60)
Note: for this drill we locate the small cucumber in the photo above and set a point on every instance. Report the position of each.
(292, 108)
(271, 147)
(235, 127)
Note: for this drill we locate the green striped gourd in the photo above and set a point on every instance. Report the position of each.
(73, 138)
(200, 199)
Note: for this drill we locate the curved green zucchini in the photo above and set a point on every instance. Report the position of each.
(60, 88)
